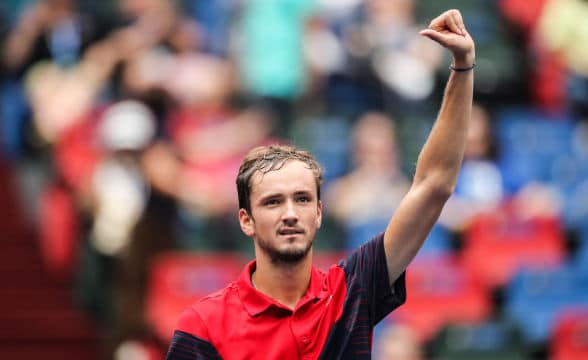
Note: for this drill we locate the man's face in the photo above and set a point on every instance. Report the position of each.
(285, 212)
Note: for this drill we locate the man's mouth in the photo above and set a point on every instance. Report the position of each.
(290, 231)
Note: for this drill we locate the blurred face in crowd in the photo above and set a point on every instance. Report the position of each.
(285, 212)
(387, 10)
(399, 343)
(374, 143)
(479, 137)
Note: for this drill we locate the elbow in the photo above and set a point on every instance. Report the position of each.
(443, 191)
(439, 189)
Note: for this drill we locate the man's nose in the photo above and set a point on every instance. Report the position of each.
(290, 215)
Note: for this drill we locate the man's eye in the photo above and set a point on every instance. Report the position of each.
(272, 202)
(304, 199)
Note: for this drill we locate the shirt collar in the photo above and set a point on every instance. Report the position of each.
(256, 302)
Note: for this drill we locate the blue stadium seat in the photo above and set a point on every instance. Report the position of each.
(533, 146)
(438, 242)
(570, 175)
(359, 233)
(536, 297)
(328, 139)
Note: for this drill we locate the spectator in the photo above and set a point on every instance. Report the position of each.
(272, 67)
(479, 186)
(397, 342)
(385, 63)
(49, 30)
(562, 29)
(216, 23)
(365, 198)
(205, 137)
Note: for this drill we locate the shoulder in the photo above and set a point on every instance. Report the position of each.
(217, 302)
(366, 255)
(197, 318)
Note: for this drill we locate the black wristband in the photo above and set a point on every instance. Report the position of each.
(463, 69)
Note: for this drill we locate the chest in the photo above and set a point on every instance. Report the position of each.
(281, 334)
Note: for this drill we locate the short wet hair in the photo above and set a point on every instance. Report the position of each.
(270, 158)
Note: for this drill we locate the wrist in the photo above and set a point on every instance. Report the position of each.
(463, 69)
(465, 61)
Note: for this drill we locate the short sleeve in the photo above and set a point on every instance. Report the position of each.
(366, 274)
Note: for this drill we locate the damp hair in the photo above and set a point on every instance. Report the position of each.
(264, 159)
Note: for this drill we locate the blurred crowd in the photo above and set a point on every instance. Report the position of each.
(126, 121)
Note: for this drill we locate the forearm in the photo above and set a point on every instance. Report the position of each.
(440, 159)
(435, 178)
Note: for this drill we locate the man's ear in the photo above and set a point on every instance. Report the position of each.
(246, 222)
(319, 217)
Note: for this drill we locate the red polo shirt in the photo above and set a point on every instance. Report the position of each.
(333, 320)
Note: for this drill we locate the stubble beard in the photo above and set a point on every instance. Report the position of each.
(288, 256)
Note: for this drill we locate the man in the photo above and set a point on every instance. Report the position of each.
(282, 307)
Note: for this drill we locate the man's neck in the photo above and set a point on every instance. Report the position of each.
(285, 283)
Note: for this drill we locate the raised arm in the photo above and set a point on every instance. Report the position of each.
(441, 156)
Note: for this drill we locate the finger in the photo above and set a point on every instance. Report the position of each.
(459, 21)
(437, 23)
(434, 35)
(453, 22)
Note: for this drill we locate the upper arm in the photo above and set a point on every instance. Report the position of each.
(367, 282)
(409, 227)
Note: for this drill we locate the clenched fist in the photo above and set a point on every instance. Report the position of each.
(448, 29)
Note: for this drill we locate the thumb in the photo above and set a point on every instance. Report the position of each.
(433, 35)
